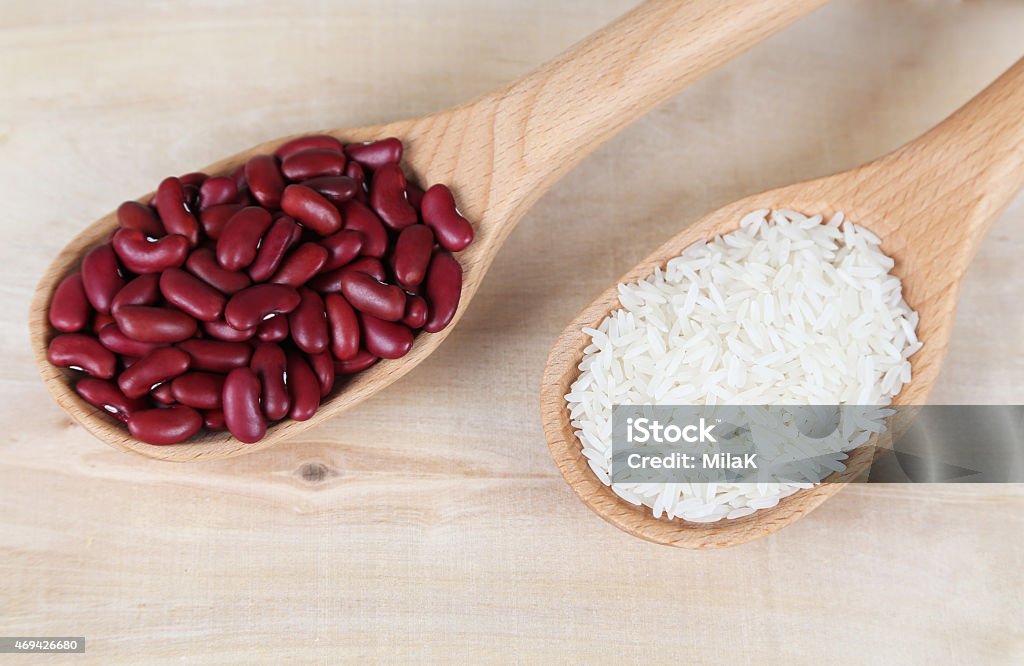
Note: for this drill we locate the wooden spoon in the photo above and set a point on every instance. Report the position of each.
(930, 202)
(499, 154)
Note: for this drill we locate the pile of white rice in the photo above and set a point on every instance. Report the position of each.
(785, 310)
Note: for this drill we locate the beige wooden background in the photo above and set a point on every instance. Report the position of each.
(430, 523)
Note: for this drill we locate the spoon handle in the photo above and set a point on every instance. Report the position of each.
(972, 163)
(546, 122)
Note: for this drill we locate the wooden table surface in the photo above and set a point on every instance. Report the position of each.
(430, 523)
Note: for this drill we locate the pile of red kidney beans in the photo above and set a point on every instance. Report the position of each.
(231, 302)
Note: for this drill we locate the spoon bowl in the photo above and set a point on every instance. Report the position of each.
(498, 154)
(930, 202)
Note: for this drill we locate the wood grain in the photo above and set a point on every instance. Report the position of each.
(931, 202)
(429, 524)
(498, 154)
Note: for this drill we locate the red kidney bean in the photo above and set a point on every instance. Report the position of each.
(367, 294)
(191, 196)
(241, 400)
(443, 290)
(215, 355)
(171, 205)
(265, 180)
(342, 248)
(360, 218)
(331, 282)
(140, 255)
(161, 426)
(249, 307)
(238, 175)
(156, 367)
(356, 172)
(143, 290)
(274, 329)
(101, 277)
(269, 364)
(133, 215)
(203, 264)
(215, 218)
(220, 330)
(201, 390)
(213, 419)
(412, 255)
(414, 193)
(193, 178)
(300, 265)
(388, 199)
(240, 239)
(372, 267)
(150, 324)
(308, 323)
(283, 233)
(217, 191)
(82, 352)
(376, 154)
(344, 327)
(327, 283)
(104, 394)
(336, 189)
(415, 312)
(322, 365)
(453, 231)
(357, 363)
(163, 394)
(313, 163)
(191, 295)
(385, 339)
(303, 388)
(69, 307)
(312, 142)
(111, 337)
(100, 321)
(311, 209)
